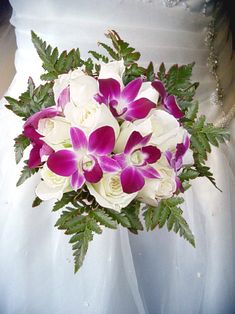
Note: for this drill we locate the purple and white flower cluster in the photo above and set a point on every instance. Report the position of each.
(122, 142)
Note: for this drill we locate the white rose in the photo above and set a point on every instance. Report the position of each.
(113, 69)
(108, 192)
(157, 189)
(166, 131)
(55, 131)
(52, 186)
(90, 117)
(147, 91)
(82, 87)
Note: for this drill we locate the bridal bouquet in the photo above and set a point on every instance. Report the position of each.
(112, 140)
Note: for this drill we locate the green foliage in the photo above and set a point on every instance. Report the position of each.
(82, 228)
(37, 201)
(120, 218)
(21, 142)
(31, 101)
(204, 134)
(26, 173)
(168, 213)
(132, 213)
(103, 218)
(53, 63)
(121, 49)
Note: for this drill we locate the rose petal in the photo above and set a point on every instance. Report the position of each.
(139, 109)
(63, 162)
(131, 90)
(149, 172)
(160, 88)
(152, 153)
(77, 180)
(102, 140)
(95, 174)
(172, 107)
(110, 89)
(108, 164)
(78, 138)
(132, 180)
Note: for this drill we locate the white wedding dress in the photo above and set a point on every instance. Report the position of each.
(155, 272)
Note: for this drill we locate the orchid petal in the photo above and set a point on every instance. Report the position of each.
(102, 140)
(95, 174)
(132, 180)
(130, 92)
(78, 138)
(180, 151)
(179, 185)
(152, 153)
(160, 88)
(169, 156)
(172, 107)
(108, 164)
(77, 180)
(139, 109)
(134, 139)
(63, 98)
(110, 89)
(121, 159)
(149, 172)
(34, 157)
(32, 134)
(45, 150)
(145, 139)
(100, 99)
(187, 142)
(44, 113)
(63, 162)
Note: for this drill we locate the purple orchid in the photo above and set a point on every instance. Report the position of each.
(63, 99)
(40, 148)
(124, 103)
(168, 101)
(88, 160)
(135, 162)
(176, 160)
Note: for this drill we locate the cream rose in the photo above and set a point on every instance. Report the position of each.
(52, 186)
(82, 88)
(113, 69)
(55, 131)
(166, 131)
(90, 117)
(157, 189)
(108, 192)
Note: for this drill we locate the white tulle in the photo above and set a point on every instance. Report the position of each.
(152, 273)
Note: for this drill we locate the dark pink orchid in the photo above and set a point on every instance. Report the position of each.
(88, 160)
(135, 162)
(176, 160)
(40, 148)
(168, 101)
(123, 103)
